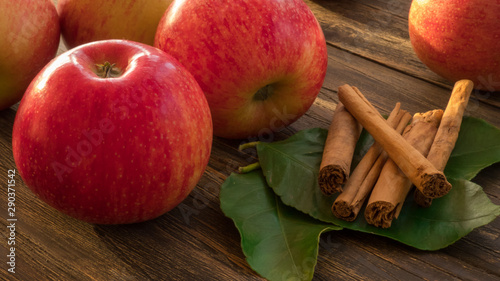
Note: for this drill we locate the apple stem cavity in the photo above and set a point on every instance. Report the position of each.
(263, 93)
(107, 70)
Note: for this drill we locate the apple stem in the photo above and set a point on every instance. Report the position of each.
(107, 70)
(249, 168)
(248, 145)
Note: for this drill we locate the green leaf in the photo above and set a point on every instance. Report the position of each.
(279, 242)
(291, 169)
(477, 147)
(447, 220)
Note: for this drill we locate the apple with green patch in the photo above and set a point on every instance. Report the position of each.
(29, 32)
(84, 21)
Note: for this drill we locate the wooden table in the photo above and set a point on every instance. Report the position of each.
(368, 46)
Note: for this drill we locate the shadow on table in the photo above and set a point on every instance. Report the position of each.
(205, 247)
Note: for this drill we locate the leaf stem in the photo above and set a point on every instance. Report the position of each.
(249, 168)
(248, 145)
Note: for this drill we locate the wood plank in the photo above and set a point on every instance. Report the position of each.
(368, 46)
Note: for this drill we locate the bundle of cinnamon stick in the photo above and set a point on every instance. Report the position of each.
(405, 154)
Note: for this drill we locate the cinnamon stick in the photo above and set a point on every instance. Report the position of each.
(343, 134)
(392, 187)
(447, 133)
(348, 204)
(430, 181)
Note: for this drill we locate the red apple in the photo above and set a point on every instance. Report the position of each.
(260, 63)
(458, 39)
(112, 132)
(84, 21)
(29, 32)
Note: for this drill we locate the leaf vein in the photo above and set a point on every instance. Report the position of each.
(287, 156)
(284, 236)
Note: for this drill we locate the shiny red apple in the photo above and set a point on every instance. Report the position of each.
(112, 132)
(29, 38)
(458, 39)
(84, 21)
(260, 63)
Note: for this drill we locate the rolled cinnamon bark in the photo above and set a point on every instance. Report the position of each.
(447, 133)
(392, 187)
(343, 134)
(348, 204)
(430, 181)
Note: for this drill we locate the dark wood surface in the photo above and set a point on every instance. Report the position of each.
(369, 47)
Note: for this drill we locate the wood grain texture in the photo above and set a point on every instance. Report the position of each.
(368, 47)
